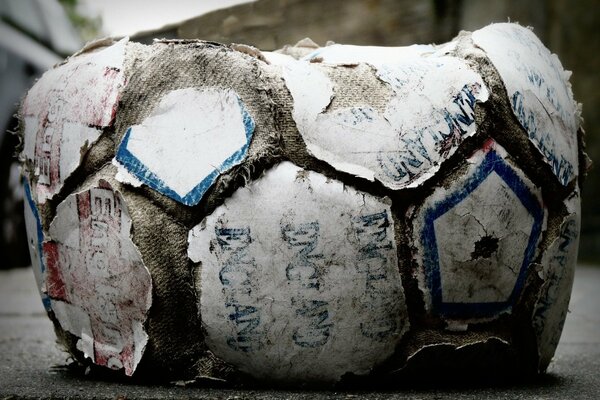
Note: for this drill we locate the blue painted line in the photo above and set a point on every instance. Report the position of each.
(313, 55)
(138, 169)
(491, 163)
(40, 238)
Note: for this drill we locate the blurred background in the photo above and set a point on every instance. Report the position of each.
(36, 34)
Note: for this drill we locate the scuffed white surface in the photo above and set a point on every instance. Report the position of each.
(430, 113)
(93, 265)
(310, 87)
(29, 136)
(558, 270)
(345, 54)
(66, 110)
(76, 321)
(277, 58)
(539, 93)
(189, 138)
(124, 176)
(493, 210)
(73, 139)
(299, 278)
(139, 336)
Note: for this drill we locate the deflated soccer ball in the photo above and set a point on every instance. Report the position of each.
(307, 215)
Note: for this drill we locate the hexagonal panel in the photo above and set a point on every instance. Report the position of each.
(191, 137)
(400, 140)
(298, 278)
(539, 92)
(477, 238)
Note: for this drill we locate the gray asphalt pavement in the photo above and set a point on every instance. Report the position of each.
(32, 366)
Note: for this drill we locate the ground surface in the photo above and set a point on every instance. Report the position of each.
(32, 366)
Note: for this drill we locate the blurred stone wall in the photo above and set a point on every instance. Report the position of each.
(271, 24)
(568, 28)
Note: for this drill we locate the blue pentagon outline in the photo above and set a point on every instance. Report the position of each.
(491, 163)
(40, 237)
(138, 169)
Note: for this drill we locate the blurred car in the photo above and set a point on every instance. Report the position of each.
(34, 36)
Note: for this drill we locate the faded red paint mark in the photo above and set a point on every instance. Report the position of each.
(55, 285)
(81, 93)
(127, 357)
(488, 145)
(104, 277)
(83, 205)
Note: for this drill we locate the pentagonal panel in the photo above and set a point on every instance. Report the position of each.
(191, 137)
(477, 238)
